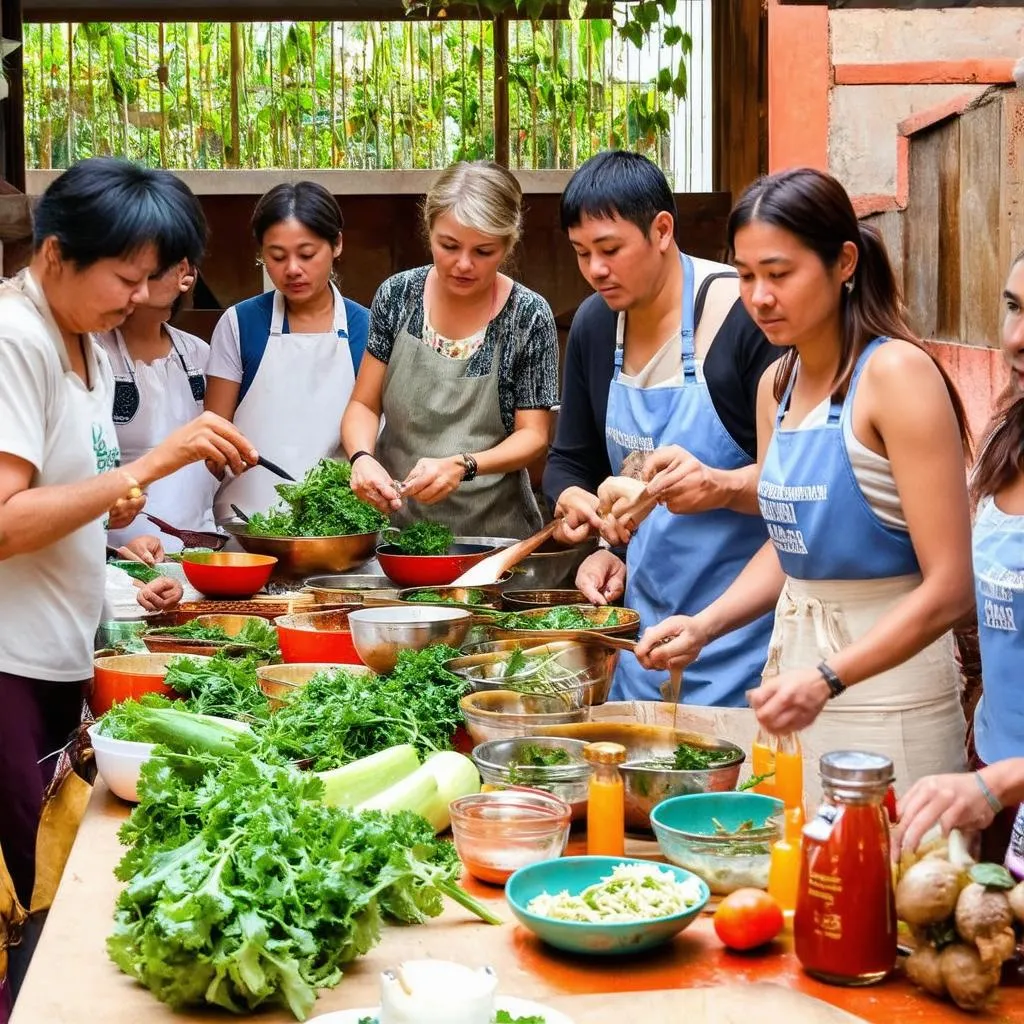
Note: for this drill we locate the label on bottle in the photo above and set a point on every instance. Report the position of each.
(821, 825)
(1015, 851)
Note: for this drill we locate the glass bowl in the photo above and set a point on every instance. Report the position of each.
(499, 832)
(496, 714)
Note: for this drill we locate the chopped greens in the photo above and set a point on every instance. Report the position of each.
(562, 617)
(687, 758)
(738, 833)
(339, 716)
(504, 1017)
(257, 634)
(424, 538)
(476, 597)
(531, 756)
(322, 504)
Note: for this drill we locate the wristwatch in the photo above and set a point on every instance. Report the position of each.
(835, 685)
(469, 464)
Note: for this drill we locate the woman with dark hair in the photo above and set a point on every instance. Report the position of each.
(862, 442)
(159, 385)
(103, 230)
(283, 364)
(988, 798)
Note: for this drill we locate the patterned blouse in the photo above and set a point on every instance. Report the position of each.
(524, 327)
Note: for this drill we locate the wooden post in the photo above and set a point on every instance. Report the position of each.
(12, 110)
(501, 122)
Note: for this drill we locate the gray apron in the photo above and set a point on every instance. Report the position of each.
(431, 410)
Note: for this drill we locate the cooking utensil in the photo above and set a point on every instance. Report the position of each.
(672, 690)
(190, 538)
(493, 567)
(551, 567)
(379, 634)
(274, 468)
(238, 512)
(300, 557)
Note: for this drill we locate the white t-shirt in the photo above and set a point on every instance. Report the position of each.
(226, 349)
(51, 599)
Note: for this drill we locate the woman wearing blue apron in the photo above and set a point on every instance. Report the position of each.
(678, 563)
(988, 798)
(862, 488)
(283, 364)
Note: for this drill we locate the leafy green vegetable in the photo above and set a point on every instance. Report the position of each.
(322, 504)
(530, 756)
(137, 570)
(178, 556)
(173, 726)
(340, 716)
(755, 780)
(992, 876)
(244, 889)
(424, 538)
(562, 617)
(516, 663)
(257, 634)
(688, 758)
(504, 1017)
(475, 597)
(223, 686)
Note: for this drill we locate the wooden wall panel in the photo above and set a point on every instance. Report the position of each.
(1011, 192)
(947, 298)
(921, 233)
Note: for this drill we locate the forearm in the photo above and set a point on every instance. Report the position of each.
(754, 592)
(917, 620)
(1006, 780)
(516, 452)
(359, 428)
(738, 489)
(36, 517)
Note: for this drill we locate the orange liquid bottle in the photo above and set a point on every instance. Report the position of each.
(762, 758)
(844, 930)
(606, 805)
(789, 771)
(784, 870)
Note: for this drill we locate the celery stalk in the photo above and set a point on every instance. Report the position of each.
(353, 783)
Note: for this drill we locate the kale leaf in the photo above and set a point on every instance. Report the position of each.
(424, 538)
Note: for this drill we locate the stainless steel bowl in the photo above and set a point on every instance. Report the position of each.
(647, 787)
(379, 634)
(524, 600)
(552, 567)
(299, 557)
(475, 597)
(591, 664)
(501, 713)
(568, 781)
(628, 623)
(351, 588)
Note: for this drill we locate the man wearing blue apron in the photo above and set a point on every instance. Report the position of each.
(663, 355)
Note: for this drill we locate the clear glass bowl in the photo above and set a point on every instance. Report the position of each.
(497, 833)
(495, 714)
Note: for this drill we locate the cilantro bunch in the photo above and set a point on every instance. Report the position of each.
(243, 889)
(322, 504)
(424, 538)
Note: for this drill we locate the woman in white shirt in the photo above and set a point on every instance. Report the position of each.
(103, 230)
(160, 385)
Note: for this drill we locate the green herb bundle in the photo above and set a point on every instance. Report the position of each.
(424, 538)
(562, 617)
(322, 504)
(256, 635)
(688, 757)
(223, 686)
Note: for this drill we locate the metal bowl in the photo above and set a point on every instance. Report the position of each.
(351, 588)
(498, 714)
(480, 597)
(628, 625)
(568, 781)
(379, 634)
(524, 600)
(160, 643)
(551, 567)
(280, 682)
(299, 557)
(592, 664)
(645, 788)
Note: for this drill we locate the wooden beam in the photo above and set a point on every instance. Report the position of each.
(271, 10)
(12, 109)
(926, 72)
(501, 111)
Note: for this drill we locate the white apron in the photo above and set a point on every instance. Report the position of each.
(166, 402)
(293, 408)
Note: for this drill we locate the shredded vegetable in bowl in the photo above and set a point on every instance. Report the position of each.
(632, 892)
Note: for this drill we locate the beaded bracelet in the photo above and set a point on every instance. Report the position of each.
(134, 490)
(990, 798)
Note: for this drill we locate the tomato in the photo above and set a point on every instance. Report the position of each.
(748, 918)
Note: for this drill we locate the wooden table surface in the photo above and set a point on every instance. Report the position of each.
(71, 980)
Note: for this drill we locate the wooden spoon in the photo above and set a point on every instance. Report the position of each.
(493, 567)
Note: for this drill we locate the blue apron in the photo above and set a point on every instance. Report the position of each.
(999, 588)
(679, 564)
(818, 518)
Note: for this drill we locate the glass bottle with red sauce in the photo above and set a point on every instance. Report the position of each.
(845, 924)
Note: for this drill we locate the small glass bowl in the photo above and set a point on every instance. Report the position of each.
(497, 833)
(496, 714)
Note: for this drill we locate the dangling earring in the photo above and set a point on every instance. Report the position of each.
(848, 285)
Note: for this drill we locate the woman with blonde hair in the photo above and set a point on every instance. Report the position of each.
(462, 364)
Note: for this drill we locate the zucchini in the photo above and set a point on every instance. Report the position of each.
(353, 783)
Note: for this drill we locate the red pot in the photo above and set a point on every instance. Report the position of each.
(316, 637)
(228, 574)
(430, 570)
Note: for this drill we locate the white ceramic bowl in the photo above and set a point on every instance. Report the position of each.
(380, 633)
(120, 761)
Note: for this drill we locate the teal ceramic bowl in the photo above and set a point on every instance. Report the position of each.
(685, 827)
(574, 874)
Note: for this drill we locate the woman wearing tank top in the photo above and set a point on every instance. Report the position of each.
(867, 576)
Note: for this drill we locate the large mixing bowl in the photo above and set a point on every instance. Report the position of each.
(351, 588)
(551, 567)
(299, 557)
(282, 682)
(317, 637)
(524, 600)
(430, 570)
(645, 788)
(628, 624)
(379, 634)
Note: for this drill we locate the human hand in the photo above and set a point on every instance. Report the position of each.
(601, 577)
(950, 801)
(208, 438)
(680, 482)
(623, 508)
(146, 548)
(123, 512)
(432, 480)
(673, 643)
(789, 702)
(372, 482)
(161, 594)
(576, 512)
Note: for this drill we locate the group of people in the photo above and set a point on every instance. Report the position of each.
(775, 466)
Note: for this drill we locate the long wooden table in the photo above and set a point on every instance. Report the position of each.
(71, 980)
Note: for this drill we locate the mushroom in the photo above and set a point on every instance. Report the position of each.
(984, 917)
(927, 893)
(924, 969)
(969, 982)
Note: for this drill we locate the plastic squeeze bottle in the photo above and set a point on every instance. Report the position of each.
(606, 806)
